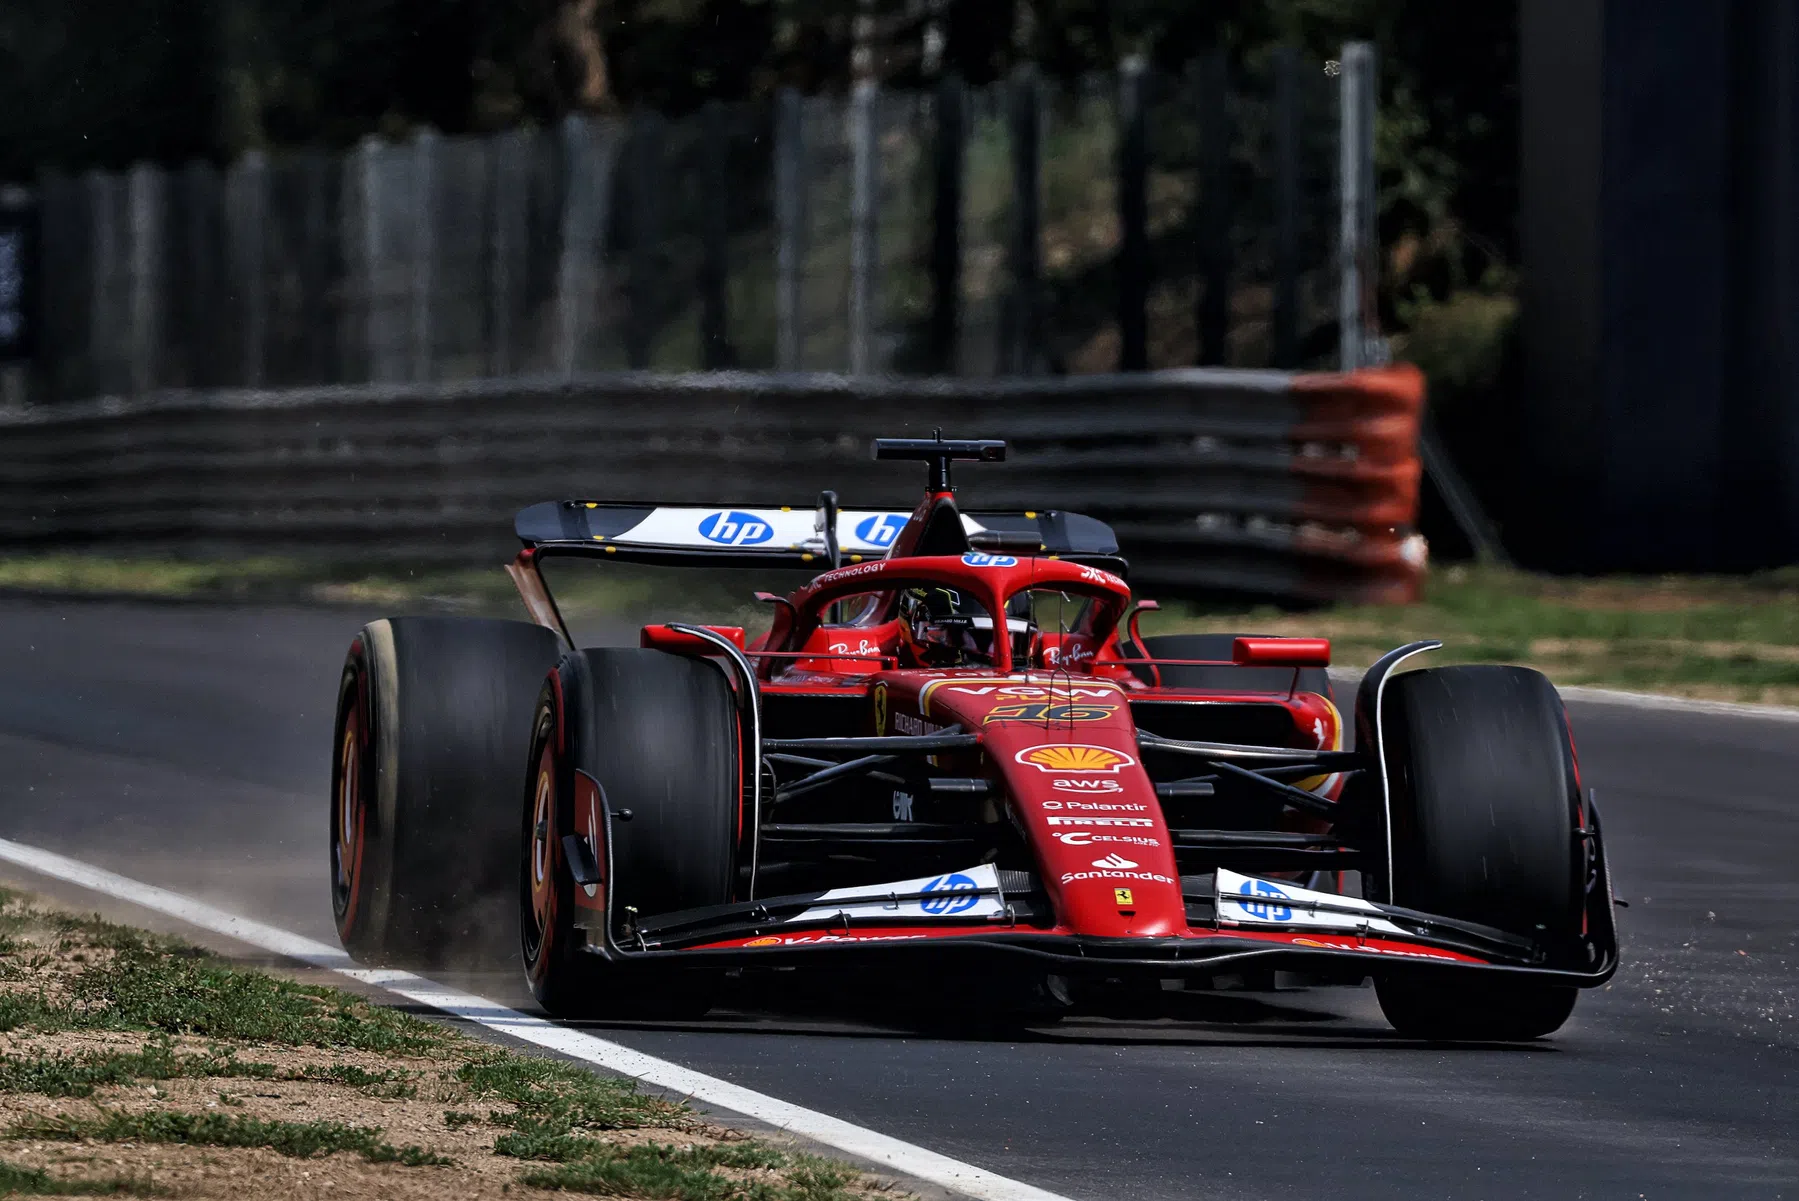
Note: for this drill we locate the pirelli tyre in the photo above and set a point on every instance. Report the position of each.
(1485, 804)
(1226, 675)
(433, 723)
(658, 733)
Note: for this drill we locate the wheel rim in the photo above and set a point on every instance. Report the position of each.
(540, 861)
(348, 816)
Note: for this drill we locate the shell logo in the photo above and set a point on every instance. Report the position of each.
(763, 942)
(1074, 757)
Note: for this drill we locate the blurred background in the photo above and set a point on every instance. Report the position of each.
(348, 283)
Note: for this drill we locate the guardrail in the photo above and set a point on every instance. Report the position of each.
(1290, 485)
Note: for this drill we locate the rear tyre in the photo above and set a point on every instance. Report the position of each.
(658, 733)
(1226, 675)
(1485, 806)
(433, 719)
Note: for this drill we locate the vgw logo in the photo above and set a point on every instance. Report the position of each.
(881, 529)
(1266, 911)
(735, 529)
(951, 895)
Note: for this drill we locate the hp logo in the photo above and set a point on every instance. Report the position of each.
(881, 529)
(1267, 911)
(976, 559)
(735, 529)
(954, 894)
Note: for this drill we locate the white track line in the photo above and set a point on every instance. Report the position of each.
(855, 1140)
(1580, 693)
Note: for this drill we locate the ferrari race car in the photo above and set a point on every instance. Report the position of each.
(952, 758)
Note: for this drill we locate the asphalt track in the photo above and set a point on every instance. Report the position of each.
(188, 746)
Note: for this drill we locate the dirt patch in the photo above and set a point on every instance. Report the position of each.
(132, 1064)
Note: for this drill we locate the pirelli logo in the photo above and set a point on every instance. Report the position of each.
(1102, 821)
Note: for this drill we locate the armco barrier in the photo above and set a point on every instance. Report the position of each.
(1302, 487)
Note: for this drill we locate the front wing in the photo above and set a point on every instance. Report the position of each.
(1267, 925)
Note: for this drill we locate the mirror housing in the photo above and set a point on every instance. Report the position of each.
(1281, 652)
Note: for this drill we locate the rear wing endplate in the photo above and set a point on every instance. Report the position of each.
(720, 536)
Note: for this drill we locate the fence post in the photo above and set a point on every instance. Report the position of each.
(505, 251)
(102, 283)
(585, 188)
(424, 248)
(790, 227)
(946, 239)
(1211, 93)
(246, 220)
(1356, 235)
(1133, 218)
(864, 190)
(715, 265)
(1286, 207)
(1024, 332)
(145, 201)
(21, 306)
(368, 253)
(646, 196)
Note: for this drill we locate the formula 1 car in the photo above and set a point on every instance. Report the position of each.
(953, 757)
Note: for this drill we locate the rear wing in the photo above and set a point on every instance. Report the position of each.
(721, 536)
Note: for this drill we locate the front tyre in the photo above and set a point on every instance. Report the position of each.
(1484, 808)
(658, 733)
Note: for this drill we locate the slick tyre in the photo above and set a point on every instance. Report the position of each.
(1485, 805)
(433, 722)
(658, 733)
(1226, 675)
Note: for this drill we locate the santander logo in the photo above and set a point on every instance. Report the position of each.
(1114, 862)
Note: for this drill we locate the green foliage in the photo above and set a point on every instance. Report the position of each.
(80, 1075)
(302, 1140)
(688, 1174)
(555, 1098)
(33, 1182)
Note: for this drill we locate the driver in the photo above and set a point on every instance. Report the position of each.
(944, 629)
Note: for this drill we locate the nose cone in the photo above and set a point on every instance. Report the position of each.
(1067, 752)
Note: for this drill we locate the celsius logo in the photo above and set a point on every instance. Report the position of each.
(1081, 838)
(881, 529)
(950, 894)
(977, 559)
(736, 529)
(1115, 862)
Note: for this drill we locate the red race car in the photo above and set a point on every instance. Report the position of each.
(951, 756)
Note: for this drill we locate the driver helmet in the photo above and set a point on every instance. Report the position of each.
(950, 630)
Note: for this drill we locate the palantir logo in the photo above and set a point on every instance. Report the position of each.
(954, 894)
(881, 529)
(1266, 911)
(732, 528)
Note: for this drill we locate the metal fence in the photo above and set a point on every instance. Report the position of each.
(1138, 220)
(1283, 484)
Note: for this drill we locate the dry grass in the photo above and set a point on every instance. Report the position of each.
(135, 1065)
(1717, 638)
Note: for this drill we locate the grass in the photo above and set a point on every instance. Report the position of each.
(1733, 638)
(117, 1038)
(33, 1182)
(300, 1140)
